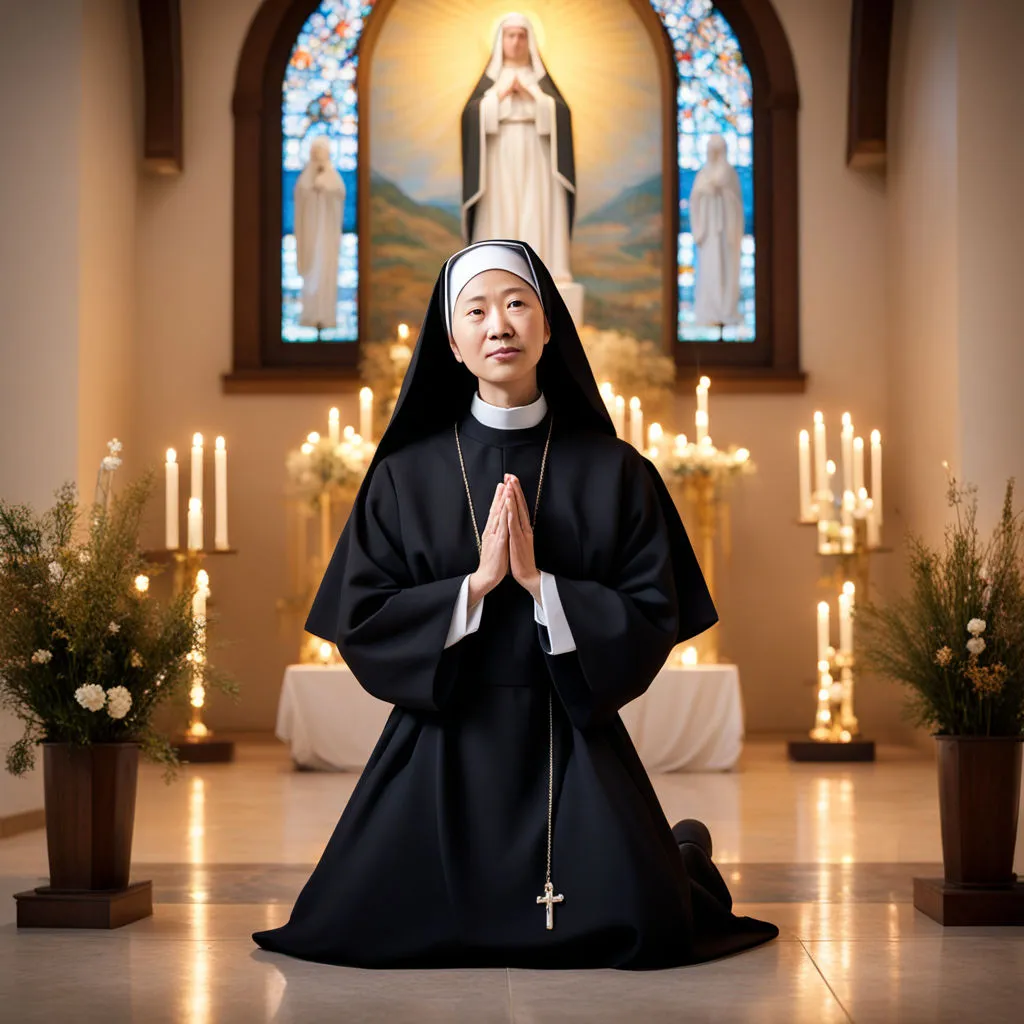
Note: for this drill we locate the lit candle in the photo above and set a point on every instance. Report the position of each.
(823, 536)
(830, 487)
(702, 420)
(325, 653)
(366, 413)
(846, 619)
(823, 631)
(313, 437)
(403, 333)
(690, 655)
(334, 425)
(874, 537)
(654, 435)
(846, 451)
(195, 524)
(804, 451)
(846, 534)
(619, 416)
(608, 396)
(820, 455)
(349, 432)
(220, 494)
(171, 538)
(142, 583)
(636, 423)
(876, 474)
(199, 596)
(858, 465)
(197, 467)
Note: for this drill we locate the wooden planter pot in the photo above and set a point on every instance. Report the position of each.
(90, 816)
(979, 797)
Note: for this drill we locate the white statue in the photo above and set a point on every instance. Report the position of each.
(716, 220)
(319, 209)
(518, 170)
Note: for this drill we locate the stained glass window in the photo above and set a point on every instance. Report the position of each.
(715, 97)
(319, 99)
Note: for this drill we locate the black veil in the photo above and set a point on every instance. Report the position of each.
(437, 389)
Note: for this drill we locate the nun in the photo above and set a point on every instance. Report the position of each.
(510, 576)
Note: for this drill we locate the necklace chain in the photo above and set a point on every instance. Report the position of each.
(548, 888)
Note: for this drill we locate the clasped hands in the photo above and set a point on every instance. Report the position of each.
(516, 88)
(506, 544)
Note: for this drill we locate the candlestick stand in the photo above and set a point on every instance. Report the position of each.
(197, 744)
(836, 733)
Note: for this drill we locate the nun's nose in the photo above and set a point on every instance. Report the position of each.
(498, 324)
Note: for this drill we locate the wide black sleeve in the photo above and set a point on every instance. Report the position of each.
(390, 630)
(625, 626)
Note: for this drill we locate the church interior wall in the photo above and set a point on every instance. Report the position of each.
(184, 310)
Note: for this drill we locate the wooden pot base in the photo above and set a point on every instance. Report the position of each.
(44, 907)
(951, 905)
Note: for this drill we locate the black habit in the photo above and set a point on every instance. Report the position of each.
(440, 853)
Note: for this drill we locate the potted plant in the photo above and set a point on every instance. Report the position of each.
(957, 643)
(86, 656)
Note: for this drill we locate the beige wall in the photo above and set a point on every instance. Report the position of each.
(67, 205)
(183, 326)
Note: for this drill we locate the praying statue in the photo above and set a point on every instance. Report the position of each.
(716, 220)
(518, 168)
(319, 210)
(511, 575)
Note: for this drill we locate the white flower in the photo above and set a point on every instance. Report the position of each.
(113, 628)
(91, 696)
(136, 660)
(56, 572)
(976, 645)
(110, 463)
(943, 656)
(84, 556)
(976, 627)
(42, 657)
(114, 446)
(119, 700)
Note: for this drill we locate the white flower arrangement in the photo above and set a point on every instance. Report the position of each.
(319, 466)
(680, 459)
(113, 628)
(119, 701)
(42, 657)
(976, 645)
(976, 627)
(91, 696)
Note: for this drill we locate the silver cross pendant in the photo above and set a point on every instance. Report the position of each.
(549, 899)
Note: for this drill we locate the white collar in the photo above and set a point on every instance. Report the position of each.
(516, 418)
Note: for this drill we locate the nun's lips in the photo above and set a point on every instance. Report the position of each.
(504, 353)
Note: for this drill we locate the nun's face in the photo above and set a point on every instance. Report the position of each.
(499, 329)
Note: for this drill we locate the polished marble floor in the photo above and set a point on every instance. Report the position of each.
(826, 852)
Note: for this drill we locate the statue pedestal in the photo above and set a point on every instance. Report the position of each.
(572, 295)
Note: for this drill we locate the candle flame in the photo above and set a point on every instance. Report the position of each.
(830, 467)
(655, 433)
(607, 391)
(823, 608)
(634, 403)
(858, 443)
(348, 432)
(307, 448)
(876, 437)
(221, 444)
(333, 415)
(195, 504)
(403, 331)
(705, 383)
(325, 652)
(847, 420)
(742, 454)
(203, 579)
(313, 437)
(172, 455)
(142, 583)
(805, 437)
(365, 394)
(819, 417)
(197, 440)
(849, 588)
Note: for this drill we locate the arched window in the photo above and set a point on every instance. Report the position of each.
(714, 97)
(727, 70)
(319, 99)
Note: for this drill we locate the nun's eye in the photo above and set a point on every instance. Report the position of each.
(516, 302)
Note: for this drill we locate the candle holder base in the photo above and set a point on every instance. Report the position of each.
(203, 749)
(825, 751)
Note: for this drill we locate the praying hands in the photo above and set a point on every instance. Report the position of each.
(506, 543)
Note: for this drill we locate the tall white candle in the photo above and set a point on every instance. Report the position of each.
(846, 451)
(334, 425)
(636, 423)
(608, 396)
(874, 536)
(876, 474)
(366, 413)
(197, 467)
(846, 619)
(858, 464)
(220, 494)
(702, 421)
(654, 435)
(195, 524)
(846, 528)
(823, 631)
(804, 452)
(619, 416)
(820, 455)
(171, 538)
(830, 485)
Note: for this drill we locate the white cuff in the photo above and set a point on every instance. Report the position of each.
(550, 614)
(464, 620)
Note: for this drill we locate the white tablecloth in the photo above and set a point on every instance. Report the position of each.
(690, 719)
